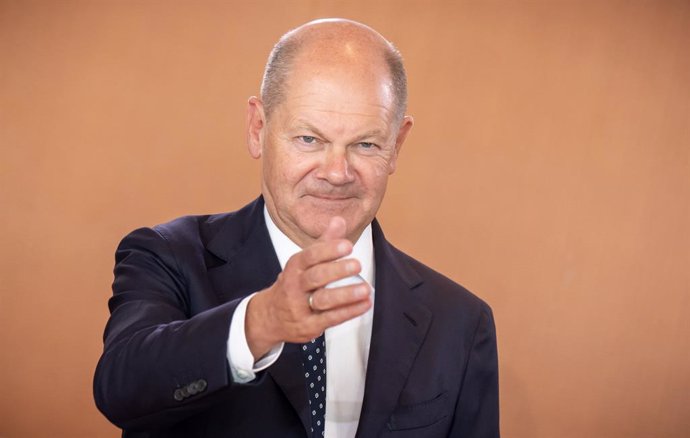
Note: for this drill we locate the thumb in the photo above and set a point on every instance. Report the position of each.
(336, 229)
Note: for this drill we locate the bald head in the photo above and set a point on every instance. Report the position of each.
(334, 43)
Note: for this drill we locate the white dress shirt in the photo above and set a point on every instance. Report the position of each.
(347, 344)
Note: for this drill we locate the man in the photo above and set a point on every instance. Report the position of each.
(219, 323)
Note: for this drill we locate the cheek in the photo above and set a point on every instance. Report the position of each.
(375, 170)
(382, 171)
(373, 179)
(289, 170)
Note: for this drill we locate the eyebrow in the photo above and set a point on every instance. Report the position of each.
(371, 134)
(303, 124)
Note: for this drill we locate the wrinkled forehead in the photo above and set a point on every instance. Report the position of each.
(340, 91)
(347, 80)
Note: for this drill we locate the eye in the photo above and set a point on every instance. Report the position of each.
(366, 145)
(308, 139)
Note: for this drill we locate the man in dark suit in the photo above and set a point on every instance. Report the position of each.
(293, 316)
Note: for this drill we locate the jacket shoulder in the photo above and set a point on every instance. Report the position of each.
(197, 231)
(192, 229)
(193, 240)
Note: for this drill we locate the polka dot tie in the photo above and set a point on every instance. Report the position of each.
(314, 364)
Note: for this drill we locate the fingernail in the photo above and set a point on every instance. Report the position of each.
(361, 291)
(343, 248)
(351, 267)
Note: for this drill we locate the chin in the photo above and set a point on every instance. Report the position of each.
(315, 215)
(315, 223)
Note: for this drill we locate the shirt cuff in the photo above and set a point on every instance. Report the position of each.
(243, 367)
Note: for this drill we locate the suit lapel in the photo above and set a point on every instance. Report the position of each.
(245, 262)
(245, 259)
(400, 326)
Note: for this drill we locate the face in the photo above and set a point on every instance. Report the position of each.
(327, 150)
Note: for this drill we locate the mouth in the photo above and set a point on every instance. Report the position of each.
(328, 197)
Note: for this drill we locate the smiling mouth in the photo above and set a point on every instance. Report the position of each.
(330, 197)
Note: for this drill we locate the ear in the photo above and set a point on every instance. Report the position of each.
(256, 122)
(405, 127)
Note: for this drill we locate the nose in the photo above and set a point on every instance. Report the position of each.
(335, 167)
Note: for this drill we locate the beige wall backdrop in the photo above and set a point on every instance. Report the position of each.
(548, 171)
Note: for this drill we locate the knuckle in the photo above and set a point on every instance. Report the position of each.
(309, 279)
(320, 301)
(310, 256)
(280, 282)
(336, 269)
(286, 280)
(292, 261)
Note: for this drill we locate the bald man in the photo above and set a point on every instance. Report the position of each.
(293, 316)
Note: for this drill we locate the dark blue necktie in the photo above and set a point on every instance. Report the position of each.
(314, 364)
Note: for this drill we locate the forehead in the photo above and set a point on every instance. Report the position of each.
(335, 92)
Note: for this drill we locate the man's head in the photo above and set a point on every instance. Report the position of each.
(329, 126)
(284, 52)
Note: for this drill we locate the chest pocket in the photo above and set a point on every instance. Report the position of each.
(420, 414)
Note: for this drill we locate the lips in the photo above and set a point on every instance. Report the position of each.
(330, 196)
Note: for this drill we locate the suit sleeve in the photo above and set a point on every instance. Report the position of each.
(476, 413)
(159, 364)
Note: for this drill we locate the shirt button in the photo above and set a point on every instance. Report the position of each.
(243, 374)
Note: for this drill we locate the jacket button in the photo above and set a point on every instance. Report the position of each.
(177, 395)
(201, 384)
(192, 388)
(197, 387)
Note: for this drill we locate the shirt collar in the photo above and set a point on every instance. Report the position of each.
(285, 248)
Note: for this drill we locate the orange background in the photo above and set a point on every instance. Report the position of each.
(548, 171)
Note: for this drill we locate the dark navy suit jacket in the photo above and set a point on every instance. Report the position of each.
(432, 370)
